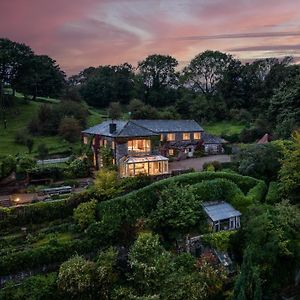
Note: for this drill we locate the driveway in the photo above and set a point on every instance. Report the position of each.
(197, 163)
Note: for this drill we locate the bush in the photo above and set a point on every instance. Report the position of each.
(85, 213)
(69, 129)
(79, 168)
(217, 166)
(218, 240)
(7, 166)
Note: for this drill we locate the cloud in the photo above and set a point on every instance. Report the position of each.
(267, 48)
(246, 35)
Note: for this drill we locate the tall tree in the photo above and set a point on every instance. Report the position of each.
(158, 78)
(40, 76)
(12, 57)
(206, 70)
(108, 84)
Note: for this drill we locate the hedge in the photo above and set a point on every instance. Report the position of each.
(41, 212)
(50, 254)
(239, 190)
(274, 194)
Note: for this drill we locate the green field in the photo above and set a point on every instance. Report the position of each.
(17, 119)
(225, 127)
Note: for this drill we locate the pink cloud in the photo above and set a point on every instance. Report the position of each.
(81, 33)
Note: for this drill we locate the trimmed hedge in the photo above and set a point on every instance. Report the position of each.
(239, 190)
(50, 254)
(41, 212)
(274, 194)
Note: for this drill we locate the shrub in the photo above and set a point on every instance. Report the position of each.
(79, 168)
(85, 213)
(69, 129)
(219, 240)
(217, 166)
(7, 165)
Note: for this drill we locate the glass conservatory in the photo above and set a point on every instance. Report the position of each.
(148, 165)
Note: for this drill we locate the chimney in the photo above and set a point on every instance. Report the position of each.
(112, 127)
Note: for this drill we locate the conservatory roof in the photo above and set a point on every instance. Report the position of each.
(220, 210)
(144, 159)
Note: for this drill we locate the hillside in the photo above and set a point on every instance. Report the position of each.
(19, 116)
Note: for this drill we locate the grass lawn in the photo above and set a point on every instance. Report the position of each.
(17, 119)
(226, 127)
(60, 237)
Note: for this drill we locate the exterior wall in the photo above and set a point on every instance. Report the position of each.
(121, 150)
(213, 148)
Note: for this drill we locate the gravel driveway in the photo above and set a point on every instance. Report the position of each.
(197, 163)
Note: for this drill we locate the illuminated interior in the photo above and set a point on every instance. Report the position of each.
(139, 146)
(150, 165)
(197, 135)
(186, 136)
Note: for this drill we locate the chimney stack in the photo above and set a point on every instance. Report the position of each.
(112, 128)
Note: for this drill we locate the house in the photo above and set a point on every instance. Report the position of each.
(212, 144)
(221, 215)
(143, 146)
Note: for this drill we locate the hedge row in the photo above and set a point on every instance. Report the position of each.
(41, 212)
(35, 257)
(239, 190)
(274, 194)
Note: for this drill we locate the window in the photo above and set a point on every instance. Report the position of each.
(85, 140)
(161, 137)
(197, 135)
(113, 145)
(171, 151)
(186, 136)
(171, 137)
(139, 146)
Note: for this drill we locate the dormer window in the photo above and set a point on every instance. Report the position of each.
(186, 136)
(171, 137)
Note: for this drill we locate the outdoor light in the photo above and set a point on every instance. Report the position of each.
(17, 199)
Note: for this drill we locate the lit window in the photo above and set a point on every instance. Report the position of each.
(186, 136)
(85, 140)
(197, 135)
(161, 137)
(139, 145)
(171, 137)
(113, 145)
(171, 151)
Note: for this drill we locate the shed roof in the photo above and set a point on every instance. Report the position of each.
(220, 210)
(143, 159)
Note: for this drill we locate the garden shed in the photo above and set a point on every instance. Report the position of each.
(221, 215)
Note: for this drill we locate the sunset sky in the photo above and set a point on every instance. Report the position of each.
(83, 33)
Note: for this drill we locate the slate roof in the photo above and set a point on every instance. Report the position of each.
(123, 129)
(211, 139)
(220, 210)
(161, 126)
(135, 128)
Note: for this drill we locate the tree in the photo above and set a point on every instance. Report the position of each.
(158, 78)
(69, 129)
(177, 209)
(271, 250)
(29, 144)
(12, 57)
(289, 173)
(43, 151)
(150, 264)
(108, 84)
(106, 183)
(75, 277)
(284, 109)
(139, 110)
(40, 76)
(260, 161)
(205, 71)
(114, 110)
(85, 213)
